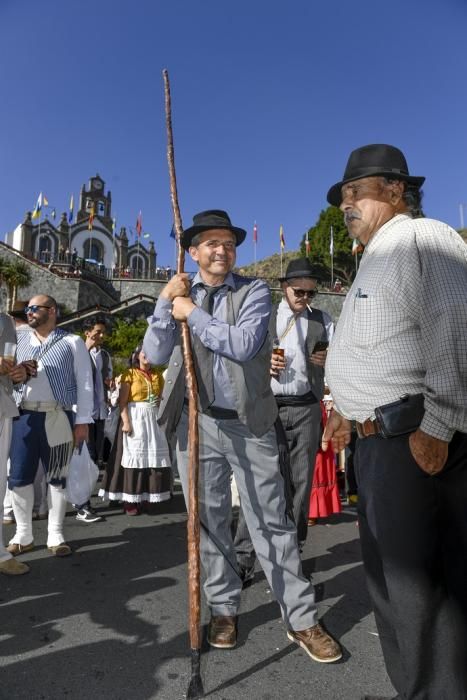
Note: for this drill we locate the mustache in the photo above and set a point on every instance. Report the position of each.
(351, 215)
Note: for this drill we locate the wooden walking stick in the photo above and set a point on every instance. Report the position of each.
(195, 689)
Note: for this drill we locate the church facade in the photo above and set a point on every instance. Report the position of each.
(91, 238)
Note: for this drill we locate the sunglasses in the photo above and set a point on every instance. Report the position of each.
(35, 307)
(302, 293)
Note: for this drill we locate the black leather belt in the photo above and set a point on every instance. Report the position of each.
(218, 413)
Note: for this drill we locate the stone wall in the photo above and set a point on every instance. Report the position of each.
(70, 293)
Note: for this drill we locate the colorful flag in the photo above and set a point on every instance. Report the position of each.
(255, 233)
(41, 201)
(281, 237)
(91, 218)
(172, 233)
(356, 247)
(331, 243)
(70, 212)
(307, 244)
(139, 224)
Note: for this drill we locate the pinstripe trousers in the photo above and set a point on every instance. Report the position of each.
(302, 427)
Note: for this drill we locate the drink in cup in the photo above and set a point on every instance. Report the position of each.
(9, 351)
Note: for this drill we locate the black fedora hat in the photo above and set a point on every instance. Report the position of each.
(206, 220)
(300, 267)
(370, 161)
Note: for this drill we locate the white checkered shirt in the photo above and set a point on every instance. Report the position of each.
(403, 327)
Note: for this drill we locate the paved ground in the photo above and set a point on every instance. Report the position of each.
(110, 621)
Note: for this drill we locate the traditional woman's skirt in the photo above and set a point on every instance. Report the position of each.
(138, 468)
(324, 496)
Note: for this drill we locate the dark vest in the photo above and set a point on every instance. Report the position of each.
(316, 331)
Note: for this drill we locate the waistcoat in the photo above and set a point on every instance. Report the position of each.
(316, 331)
(57, 358)
(250, 380)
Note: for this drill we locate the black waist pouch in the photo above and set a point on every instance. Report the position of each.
(402, 416)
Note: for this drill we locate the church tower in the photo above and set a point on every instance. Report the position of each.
(95, 197)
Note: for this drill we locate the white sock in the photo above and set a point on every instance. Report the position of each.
(57, 511)
(22, 498)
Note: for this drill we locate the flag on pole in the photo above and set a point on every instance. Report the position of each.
(41, 201)
(70, 212)
(307, 244)
(45, 201)
(255, 233)
(139, 224)
(281, 237)
(331, 243)
(91, 218)
(356, 247)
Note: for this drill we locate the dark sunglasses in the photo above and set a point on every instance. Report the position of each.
(302, 293)
(34, 307)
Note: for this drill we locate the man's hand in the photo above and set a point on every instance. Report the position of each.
(429, 452)
(337, 431)
(319, 358)
(80, 433)
(182, 308)
(5, 365)
(178, 286)
(278, 363)
(18, 374)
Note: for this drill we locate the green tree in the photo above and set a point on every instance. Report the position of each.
(319, 238)
(126, 335)
(14, 274)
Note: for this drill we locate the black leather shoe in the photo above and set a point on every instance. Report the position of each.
(247, 574)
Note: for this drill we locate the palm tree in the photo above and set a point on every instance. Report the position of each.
(15, 274)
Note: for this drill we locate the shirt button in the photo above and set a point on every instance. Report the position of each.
(175, 364)
(169, 381)
(194, 328)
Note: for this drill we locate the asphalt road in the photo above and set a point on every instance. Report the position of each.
(110, 621)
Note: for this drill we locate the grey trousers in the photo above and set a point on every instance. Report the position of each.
(228, 446)
(302, 427)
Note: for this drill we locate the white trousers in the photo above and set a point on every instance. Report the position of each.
(5, 439)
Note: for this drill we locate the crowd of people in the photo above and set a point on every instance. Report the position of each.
(279, 394)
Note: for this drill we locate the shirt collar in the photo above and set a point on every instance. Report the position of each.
(380, 233)
(229, 281)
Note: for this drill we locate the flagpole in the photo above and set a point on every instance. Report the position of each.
(255, 239)
(332, 256)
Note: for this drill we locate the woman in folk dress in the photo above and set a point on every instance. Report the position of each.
(146, 465)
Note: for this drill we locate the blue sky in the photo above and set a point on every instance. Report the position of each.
(268, 101)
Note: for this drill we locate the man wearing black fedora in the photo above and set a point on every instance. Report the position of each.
(228, 317)
(301, 336)
(397, 366)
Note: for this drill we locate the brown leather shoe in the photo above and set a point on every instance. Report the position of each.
(222, 631)
(15, 548)
(12, 567)
(61, 550)
(317, 643)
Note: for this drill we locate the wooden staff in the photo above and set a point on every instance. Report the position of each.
(195, 689)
